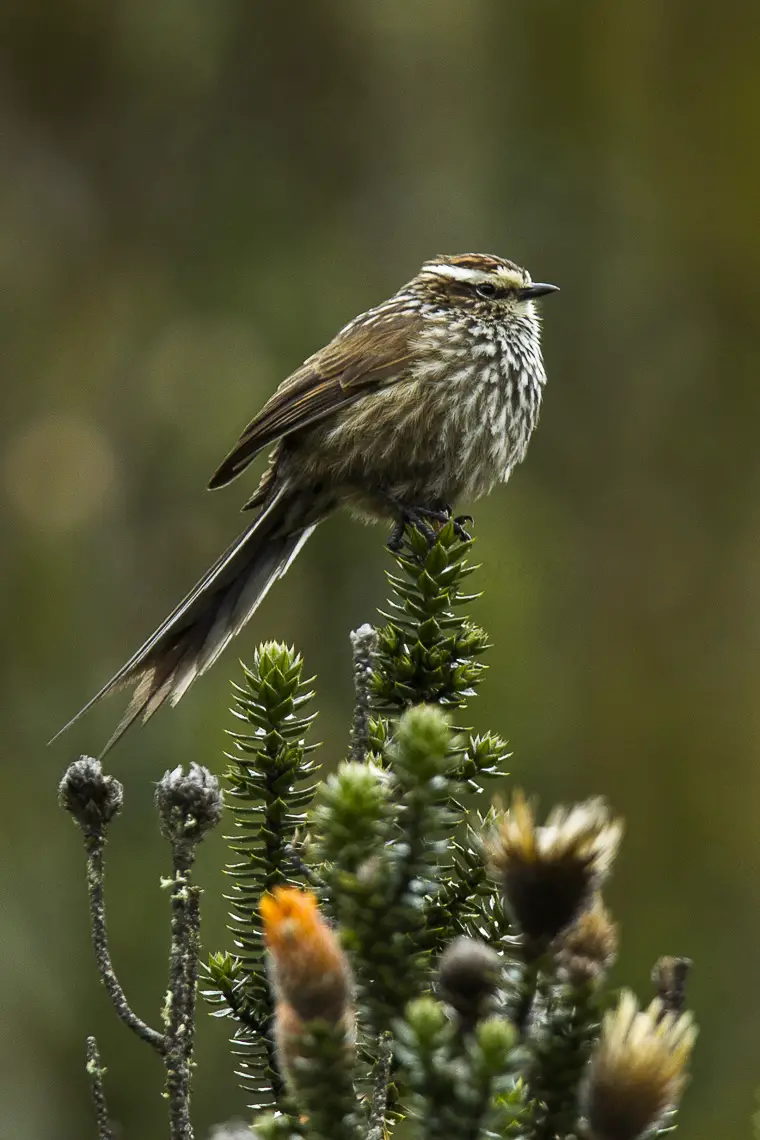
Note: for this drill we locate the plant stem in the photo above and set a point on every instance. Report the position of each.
(99, 934)
(379, 1103)
(364, 645)
(95, 1072)
(561, 1050)
(525, 993)
(181, 996)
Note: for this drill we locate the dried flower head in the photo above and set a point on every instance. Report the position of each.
(469, 974)
(669, 976)
(92, 797)
(189, 804)
(638, 1071)
(548, 874)
(309, 970)
(587, 949)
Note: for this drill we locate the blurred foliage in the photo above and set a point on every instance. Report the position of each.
(193, 197)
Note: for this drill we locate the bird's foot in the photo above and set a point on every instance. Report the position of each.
(421, 518)
(396, 539)
(411, 516)
(460, 523)
(443, 515)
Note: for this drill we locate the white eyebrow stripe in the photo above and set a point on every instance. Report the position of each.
(474, 276)
(457, 273)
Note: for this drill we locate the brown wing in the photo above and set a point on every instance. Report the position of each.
(361, 359)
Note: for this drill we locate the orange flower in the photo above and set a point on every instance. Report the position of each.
(309, 970)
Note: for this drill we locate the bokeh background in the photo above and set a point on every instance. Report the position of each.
(193, 196)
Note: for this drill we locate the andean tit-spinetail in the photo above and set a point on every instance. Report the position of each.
(426, 399)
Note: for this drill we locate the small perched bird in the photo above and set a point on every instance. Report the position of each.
(427, 398)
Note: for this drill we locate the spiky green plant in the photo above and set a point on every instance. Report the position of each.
(270, 778)
(428, 652)
(445, 965)
(561, 1045)
(463, 1087)
(397, 857)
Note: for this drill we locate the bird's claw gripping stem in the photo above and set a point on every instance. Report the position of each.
(460, 524)
(420, 518)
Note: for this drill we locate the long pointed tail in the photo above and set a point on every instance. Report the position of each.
(215, 610)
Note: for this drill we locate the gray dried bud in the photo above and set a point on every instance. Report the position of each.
(189, 804)
(469, 974)
(364, 643)
(669, 976)
(92, 797)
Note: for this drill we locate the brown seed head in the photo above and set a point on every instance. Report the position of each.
(638, 1071)
(669, 976)
(549, 874)
(588, 948)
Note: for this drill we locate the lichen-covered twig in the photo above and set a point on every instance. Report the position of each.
(180, 1003)
(95, 871)
(94, 799)
(363, 645)
(95, 1072)
(189, 806)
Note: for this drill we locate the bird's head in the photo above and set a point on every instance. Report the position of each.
(484, 285)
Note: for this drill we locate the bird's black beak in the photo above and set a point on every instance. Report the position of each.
(538, 289)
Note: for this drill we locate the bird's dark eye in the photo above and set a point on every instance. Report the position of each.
(485, 289)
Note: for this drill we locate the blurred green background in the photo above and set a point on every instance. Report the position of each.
(196, 194)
